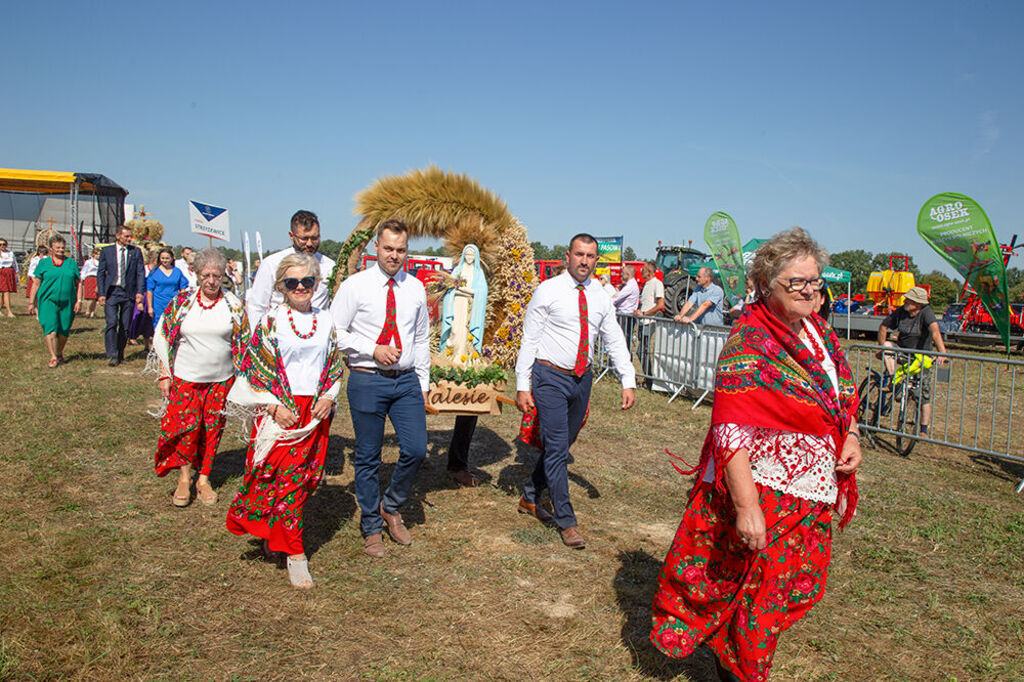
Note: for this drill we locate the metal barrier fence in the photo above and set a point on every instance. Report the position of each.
(967, 402)
(669, 356)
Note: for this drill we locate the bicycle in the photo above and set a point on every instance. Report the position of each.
(879, 391)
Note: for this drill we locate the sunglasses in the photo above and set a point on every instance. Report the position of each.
(291, 284)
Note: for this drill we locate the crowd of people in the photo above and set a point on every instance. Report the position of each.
(751, 553)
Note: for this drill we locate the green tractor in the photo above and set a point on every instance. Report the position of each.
(674, 263)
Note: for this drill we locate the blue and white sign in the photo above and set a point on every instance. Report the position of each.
(208, 220)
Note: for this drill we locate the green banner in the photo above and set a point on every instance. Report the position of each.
(609, 249)
(958, 229)
(723, 240)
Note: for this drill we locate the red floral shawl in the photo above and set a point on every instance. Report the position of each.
(766, 377)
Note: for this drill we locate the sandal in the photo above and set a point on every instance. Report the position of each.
(298, 573)
(181, 501)
(206, 494)
(53, 363)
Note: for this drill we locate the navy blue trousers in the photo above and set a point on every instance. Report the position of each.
(118, 312)
(561, 401)
(371, 399)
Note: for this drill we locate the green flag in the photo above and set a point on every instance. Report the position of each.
(958, 229)
(723, 240)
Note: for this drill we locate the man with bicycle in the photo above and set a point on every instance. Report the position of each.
(916, 329)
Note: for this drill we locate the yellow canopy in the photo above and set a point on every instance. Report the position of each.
(40, 182)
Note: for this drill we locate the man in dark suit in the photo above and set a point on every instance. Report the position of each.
(121, 284)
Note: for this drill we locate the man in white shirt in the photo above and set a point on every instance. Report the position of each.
(185, 265)
(553, 375)
(652, 302)
(626, 301)
(305, 236)
(383, 326)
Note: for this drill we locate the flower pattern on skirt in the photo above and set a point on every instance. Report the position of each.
(713, 590)
(269, 502)
(191, 428)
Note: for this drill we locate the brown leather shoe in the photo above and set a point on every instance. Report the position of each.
(373, 545)
(571, 537)
(396, 529)
(539, 513)
(464, 478)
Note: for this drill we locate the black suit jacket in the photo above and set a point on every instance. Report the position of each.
(106, 272)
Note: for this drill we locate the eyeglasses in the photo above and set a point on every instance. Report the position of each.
(291, 283)
(798, 284)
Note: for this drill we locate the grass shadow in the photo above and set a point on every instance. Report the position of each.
(1000, 468)
(325, 512)
(512, 478)
(226, 465)
(338, 450)
(635, 584)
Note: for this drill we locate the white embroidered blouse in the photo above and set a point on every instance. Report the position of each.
(799, 464)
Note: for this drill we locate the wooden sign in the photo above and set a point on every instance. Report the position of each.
(448, 397)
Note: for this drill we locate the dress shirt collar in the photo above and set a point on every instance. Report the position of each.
(383, 277)
(572, 282)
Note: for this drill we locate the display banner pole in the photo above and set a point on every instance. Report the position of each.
(958, 229)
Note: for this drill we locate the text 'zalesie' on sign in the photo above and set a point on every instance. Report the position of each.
(208, 220)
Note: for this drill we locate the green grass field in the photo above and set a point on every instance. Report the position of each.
(102, 578)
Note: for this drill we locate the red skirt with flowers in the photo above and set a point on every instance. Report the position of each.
(191, 427)
(713, 590)
(269, 503)
(8, 282)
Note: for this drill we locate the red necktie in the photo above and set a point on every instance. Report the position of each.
(390, 330)
(583, 353)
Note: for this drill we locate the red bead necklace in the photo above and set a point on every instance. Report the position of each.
(819, 352)
(301, 336)
(207, 307)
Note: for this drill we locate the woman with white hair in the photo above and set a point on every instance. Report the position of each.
(289, 381)
(199, 343)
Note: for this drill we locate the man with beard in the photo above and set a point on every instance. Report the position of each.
(553, 375)
(305, 236)
(380, 315)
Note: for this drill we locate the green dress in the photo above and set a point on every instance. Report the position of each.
(58, 291)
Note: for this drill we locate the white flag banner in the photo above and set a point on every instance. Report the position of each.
(248, 259)
(208, 220)
(259, 246)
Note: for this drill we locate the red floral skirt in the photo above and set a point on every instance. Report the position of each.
(269, 502)
(89, 288)
(191, 428)
(713, 590)
(8, 283)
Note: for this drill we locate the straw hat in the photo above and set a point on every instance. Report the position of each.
(917, 295)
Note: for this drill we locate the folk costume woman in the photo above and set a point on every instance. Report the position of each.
(89, 270)
(8, 276)
(57, 293)
(199, 344)
(751, 555)
(290, 379)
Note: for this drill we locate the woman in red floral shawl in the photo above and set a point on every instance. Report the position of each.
(198, 346)
(289, 379)
(751, 555)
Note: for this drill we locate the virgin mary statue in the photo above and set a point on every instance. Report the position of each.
(465, 308)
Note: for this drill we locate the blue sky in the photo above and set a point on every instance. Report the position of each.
(638, 119)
